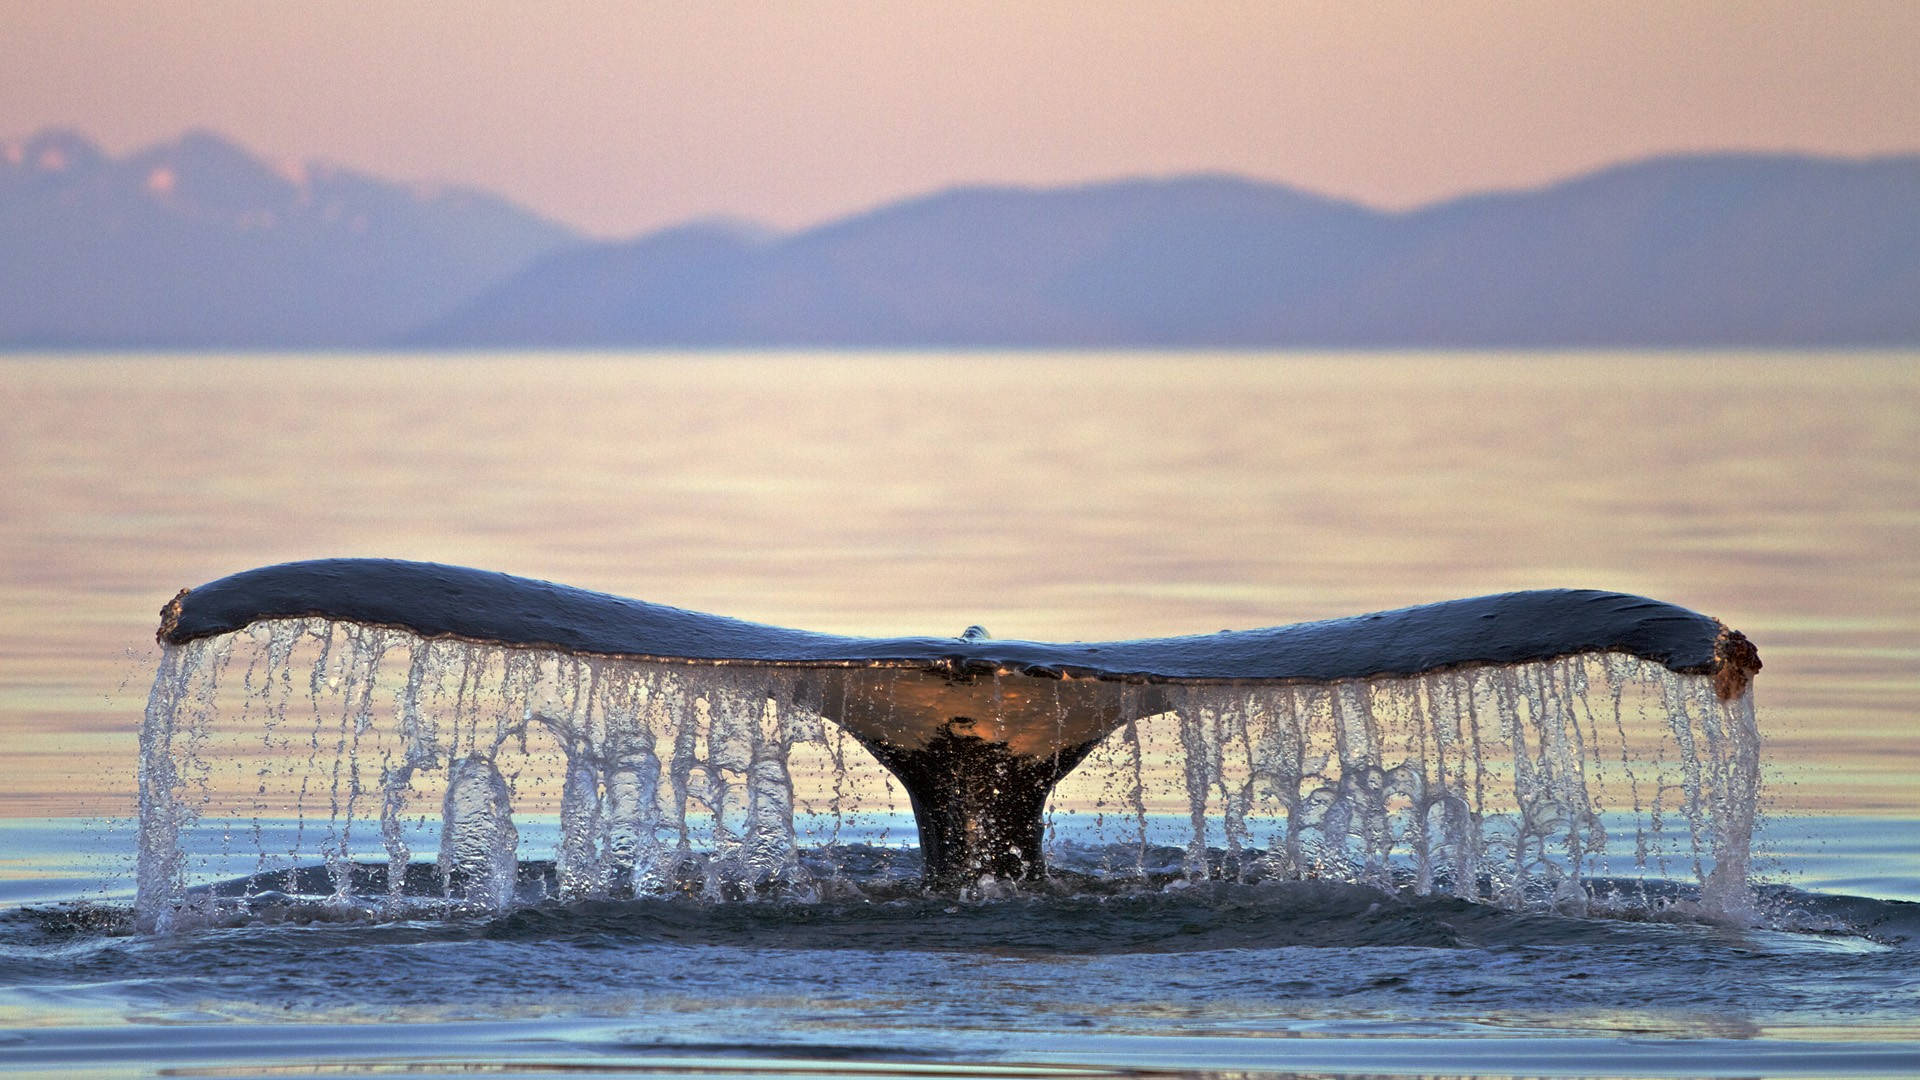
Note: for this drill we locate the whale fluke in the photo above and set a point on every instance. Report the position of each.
(977, 729)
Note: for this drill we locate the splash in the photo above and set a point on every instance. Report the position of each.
(1560, 782)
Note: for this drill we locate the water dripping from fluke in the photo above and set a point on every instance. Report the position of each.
(1544, 748)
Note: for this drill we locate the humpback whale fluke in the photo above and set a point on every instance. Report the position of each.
(977, 729)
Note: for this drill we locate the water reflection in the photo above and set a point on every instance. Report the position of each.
(1050, 497)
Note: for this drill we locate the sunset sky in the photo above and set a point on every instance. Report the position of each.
(623, 117)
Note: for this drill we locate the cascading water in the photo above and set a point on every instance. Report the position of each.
(655, 770)
(1539, 783)
(1544, 782)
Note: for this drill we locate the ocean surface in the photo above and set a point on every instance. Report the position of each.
(1203, 978)
(1043, 496)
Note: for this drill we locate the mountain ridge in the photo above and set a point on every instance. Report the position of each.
(1684, 250)
(199, 243)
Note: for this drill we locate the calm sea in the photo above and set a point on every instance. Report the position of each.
(1049, 496)
(1046, 496)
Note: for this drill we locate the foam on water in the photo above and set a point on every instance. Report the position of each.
(1502, 785)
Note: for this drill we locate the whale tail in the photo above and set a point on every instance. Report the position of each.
(978, 731)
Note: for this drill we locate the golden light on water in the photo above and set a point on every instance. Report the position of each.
(1054, 497)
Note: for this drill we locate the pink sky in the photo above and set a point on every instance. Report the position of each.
(624, 117)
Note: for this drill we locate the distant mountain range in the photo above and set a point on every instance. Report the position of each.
(199, 244)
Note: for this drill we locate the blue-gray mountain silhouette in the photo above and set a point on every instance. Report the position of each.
(199, 243)
(1771, 250)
